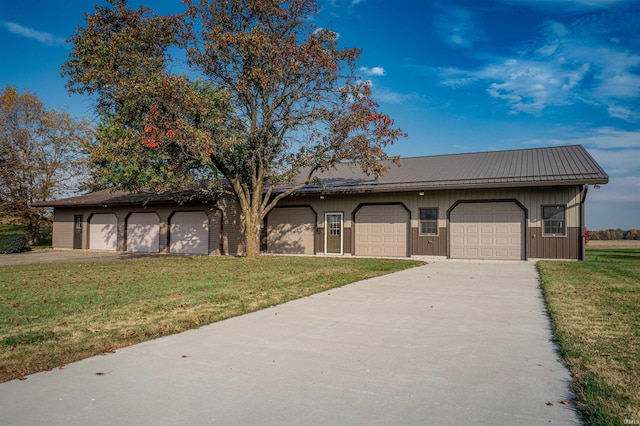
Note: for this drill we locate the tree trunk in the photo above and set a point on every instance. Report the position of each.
(33, 234)
(252, 236)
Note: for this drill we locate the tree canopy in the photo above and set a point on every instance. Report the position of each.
(273, 97)
(41, 157)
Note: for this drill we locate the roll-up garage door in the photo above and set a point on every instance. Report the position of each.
(487, 231)
(290, 230)
(189, 233)
(103, 232)
(143, 233)
(381, 230)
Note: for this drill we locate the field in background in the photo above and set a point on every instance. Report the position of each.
(632, 244)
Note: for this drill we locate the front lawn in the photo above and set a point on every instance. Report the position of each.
(54, 314)
(595, 309)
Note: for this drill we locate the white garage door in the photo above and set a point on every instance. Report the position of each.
(290, 230)
(143, 233)
(381, 230)
(487, 231)
(189, 233)
(103, 232)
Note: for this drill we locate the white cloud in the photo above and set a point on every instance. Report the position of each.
(568, 4)
(387, 96)
(39, 36)
(456, 27)
(563, 67)
(375, 71)
(623, 112)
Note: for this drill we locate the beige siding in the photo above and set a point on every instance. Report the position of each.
(63, 224)
(531, 198)
(228, 237)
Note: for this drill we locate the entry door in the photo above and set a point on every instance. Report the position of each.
(333, 233)
(77, 231)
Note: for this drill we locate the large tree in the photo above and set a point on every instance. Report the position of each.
(40, 157)
(277, 101)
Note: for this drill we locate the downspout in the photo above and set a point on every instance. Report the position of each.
(583, 243)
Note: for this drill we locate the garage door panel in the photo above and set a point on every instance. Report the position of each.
(291, 231)
(189, 233)
(143, 233)
(103, 230)
(496, 233)
(381, 230)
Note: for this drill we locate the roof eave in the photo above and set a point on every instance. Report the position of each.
(443, 186)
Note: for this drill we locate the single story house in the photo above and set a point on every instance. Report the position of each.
(514, 204)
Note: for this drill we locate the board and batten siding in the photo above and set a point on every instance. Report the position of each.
(63, 225)
(532, 199)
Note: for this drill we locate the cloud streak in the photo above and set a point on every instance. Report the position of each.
(39, 36)
(375, 71)
(456, 27)
(562, 67)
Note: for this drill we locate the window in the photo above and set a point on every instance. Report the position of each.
(553, 221)
(429, 221)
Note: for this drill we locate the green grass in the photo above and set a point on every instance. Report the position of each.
(54, 314)
(595, 309)
(45, 233)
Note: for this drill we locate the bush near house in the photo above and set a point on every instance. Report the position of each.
(11, 237)
(13, 244)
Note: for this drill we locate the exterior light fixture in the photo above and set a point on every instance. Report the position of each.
(596, 186)
(322, 197)
(421, 193)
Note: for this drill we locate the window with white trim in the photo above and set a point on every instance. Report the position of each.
(429, 221)
(553, 220)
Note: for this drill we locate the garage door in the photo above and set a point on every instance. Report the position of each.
(381, 231)
(291, 230)
(143, 233)
(189, 233)
(487, 231)
(103, 232)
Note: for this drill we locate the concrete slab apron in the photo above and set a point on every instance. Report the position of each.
(448, 343)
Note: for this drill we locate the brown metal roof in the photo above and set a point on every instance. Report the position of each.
(109, 197)
(562, 165)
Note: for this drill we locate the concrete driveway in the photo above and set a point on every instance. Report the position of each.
(449, 343)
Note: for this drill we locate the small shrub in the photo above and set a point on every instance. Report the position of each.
(13, 243)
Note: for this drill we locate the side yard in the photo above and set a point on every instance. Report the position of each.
(54, 314)
(595, 310)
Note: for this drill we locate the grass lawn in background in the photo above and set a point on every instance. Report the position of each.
(595, 310)
(45, 233)
(54, 314)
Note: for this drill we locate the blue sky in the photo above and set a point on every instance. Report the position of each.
(461, 76)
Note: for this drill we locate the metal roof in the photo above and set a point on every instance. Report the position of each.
(562, 165)
(552, 166)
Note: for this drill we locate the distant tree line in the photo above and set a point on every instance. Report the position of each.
(615, 234)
